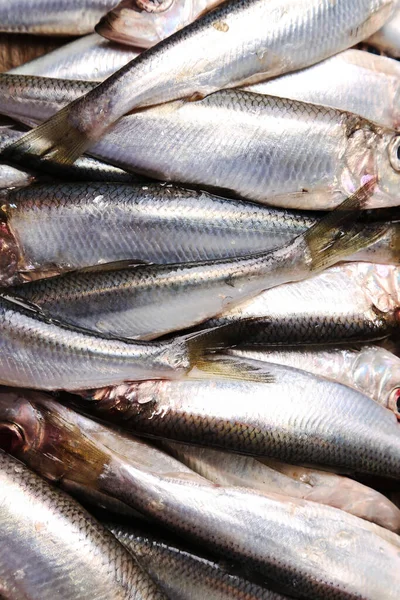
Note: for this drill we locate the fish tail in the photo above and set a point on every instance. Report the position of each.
(339, 234)
(56, 141)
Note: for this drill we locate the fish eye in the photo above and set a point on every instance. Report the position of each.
(394, 402)
(11, 438)
(154, 6)
(394, 153)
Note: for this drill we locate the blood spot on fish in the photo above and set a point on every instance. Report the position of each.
(221, 26)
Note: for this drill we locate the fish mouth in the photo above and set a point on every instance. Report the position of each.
(12, 438)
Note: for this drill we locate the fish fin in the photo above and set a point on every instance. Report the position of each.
(56, 141)
(339, 234)
(118, 265)
(225, 367)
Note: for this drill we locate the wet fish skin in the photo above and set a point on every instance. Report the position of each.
(271, 476)
(355, 81)
(234, 35)
(357, 435)
(51, 17)
(347, 303)
(88, 58)
(184, 575)
(128, 24)
(38, 521)
(386, 40)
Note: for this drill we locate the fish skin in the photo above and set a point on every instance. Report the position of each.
(386, 40)
(371, 370)
(39, 353)
(232, 41)
(88, 58)
(52, 17)
(127, 24)
(356, 434)
(229, 142)
(225, 468)
(347, 303)
(183, 575)
(38, 521)
(355, 81)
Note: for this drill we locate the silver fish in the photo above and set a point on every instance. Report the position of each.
(88, 58)
(143, 23)
(356, 81)
(148, 301)
(225, 468)
(51, 547)
(274, 536)
(387, 38)
(52, 17)
(239, 42)
(263, 415)
(351, 302)
(370, 369)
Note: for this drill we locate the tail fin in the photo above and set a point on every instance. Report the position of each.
(339, 234)
(55, 141)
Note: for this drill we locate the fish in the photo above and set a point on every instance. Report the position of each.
(239, 42)
(184, 575)
(370, 369)
(37, 522)
(347, 303)
(156, 223)
(355, 81)
(145, 302)
(231, 142)
(386, 39)
(144, 23)
(262, 532)
(52, 17)
(90, 57)
(261, 409)
(40, 353)
(266, 475)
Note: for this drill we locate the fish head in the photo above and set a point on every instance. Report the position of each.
(20, 424)
(387, 170)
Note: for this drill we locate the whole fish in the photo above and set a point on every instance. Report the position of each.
(226, 468)
(370, 369)
(239, 42)
(143, 23)
(386, 40)
(88, 58)
(232, 141)
(148, 301)
(352, 302)
(52, 548)
(355, 81)
(183, 575)
(52, 17)
(278, 538)
(36, 352)
(280, 413)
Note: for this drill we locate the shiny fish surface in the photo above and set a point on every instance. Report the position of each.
(226, 468)
(352, 302)
(148, 301)
(262, 418)
(135, 26)
(355, 81)
(37, 521)
(373, 371)
(232, 141)
(387, 39)
(88, 58)
(183, 575)
(52, 17)
(39, 353)
(242, 41)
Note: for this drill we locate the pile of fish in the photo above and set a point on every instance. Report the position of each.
(200, 301)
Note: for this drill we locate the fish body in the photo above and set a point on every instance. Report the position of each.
(239, 42)
(386, 40)
(352, 302)
(39, 522)
(52, 17)
(370, 369)
(88, 58)
(266, 417)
